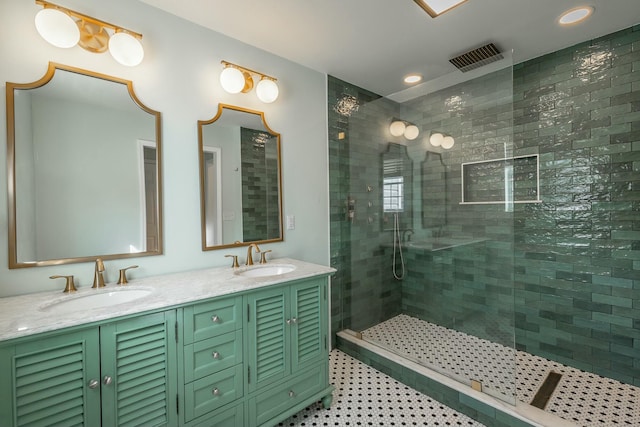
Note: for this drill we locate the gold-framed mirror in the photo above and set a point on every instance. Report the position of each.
(240, 179)
(84, 170)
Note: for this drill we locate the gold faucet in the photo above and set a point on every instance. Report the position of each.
(69, 286)
(98, 278)
(249, 255)
(122, 280)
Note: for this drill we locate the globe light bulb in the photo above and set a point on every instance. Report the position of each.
(411, 132)
(126, 49)
(447, 142)
(397, 128)
(57, 28)
(267, 90)
(436, 139)
(232, 80)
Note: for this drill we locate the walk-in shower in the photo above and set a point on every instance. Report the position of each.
(519, 236)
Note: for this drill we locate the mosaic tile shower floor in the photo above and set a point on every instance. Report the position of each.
(364, 396)
(584, 398)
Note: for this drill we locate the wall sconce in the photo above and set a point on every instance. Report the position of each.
(236, 79)
(401, 127)
(438, 139)
(66, 28)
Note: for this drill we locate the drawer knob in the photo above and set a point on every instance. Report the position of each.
(215, 392)
(215, 319)
(215, 355)
(291, 393)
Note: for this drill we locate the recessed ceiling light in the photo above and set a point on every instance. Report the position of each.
(412, 78)
(437, 7)
(576, 15)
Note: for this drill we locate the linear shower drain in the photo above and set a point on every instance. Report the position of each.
(545, 391)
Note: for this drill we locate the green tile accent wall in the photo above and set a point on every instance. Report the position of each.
(565, 272)
(363, 292)
(577, 282)
(260, 202)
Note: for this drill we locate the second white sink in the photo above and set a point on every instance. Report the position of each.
(266, 270)
(93, 301)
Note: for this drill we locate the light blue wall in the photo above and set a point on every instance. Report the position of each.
(94, 207)
(179, 77)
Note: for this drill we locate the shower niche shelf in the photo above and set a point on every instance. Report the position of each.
(501, 181)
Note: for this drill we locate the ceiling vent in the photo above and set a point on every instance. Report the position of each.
(476, 58)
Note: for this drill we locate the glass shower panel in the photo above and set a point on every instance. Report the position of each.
(430, 276)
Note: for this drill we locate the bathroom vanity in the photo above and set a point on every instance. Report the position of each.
(216, 347)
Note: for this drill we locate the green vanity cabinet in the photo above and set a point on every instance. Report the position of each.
(116, 374)
(213, 368)
(249, 358)
(287, 350)
(45, 381)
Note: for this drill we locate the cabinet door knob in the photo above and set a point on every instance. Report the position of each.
(215, 319)
(294, 320)
(94, 383)
(291, 393)
(107, 380)
(215, 355)
(215, 392)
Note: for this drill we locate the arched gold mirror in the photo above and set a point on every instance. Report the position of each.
(240, 179)
(84, 170)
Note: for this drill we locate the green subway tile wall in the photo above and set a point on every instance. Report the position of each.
(260, 202)
(576, 284)
(560, 278)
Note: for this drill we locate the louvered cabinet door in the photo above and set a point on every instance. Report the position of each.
(139, 371)
(268, 336)
(47, 381)
(308, 334)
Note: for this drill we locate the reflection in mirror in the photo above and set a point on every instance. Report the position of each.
(434, 191)
(240, 182)
(84, 170)
(397, 187)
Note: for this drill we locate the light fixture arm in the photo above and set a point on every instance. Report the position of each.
(248, 70)
(78, 15)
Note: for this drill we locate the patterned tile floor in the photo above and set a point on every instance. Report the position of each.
(364, 396)
(584, 398)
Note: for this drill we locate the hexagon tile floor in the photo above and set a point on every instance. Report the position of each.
(586, 399)
(364, 396)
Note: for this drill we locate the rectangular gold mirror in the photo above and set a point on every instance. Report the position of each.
(84, 170)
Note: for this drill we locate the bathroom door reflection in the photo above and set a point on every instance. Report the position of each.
(213, 195)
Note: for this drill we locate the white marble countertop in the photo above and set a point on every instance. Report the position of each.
(30, 314)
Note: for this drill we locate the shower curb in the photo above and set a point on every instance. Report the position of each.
(484, 408)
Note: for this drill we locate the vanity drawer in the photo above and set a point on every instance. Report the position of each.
(212, 355)
(228, 417)
(272, 402)
(210, 393)
(210, 319)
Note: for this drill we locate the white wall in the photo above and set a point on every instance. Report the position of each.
(179, 77)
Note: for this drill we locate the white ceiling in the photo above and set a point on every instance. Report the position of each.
(375, 43)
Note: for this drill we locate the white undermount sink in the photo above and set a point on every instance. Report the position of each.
(71, 303)
(266, 270)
